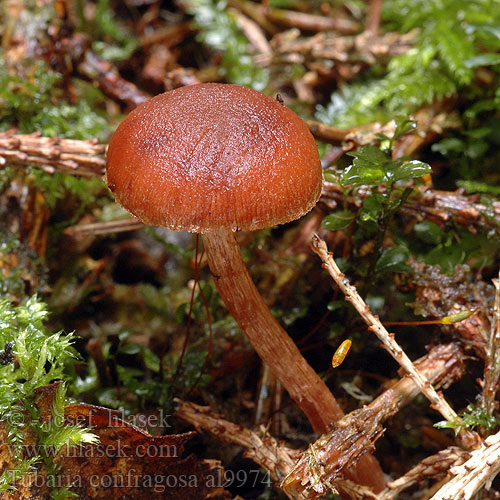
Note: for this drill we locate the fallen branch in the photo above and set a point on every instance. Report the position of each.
(310, 22)
(85, 158)
(108, 227)
(102, 73)
(434, 467)
(477, 473)
(443, 365)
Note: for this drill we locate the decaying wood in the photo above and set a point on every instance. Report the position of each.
(326, 461)
(303, 384)
(492, 365)
(430, 122)
(311, 22)
(323, 463)
(85, 158)
(327, 45)
(108, 227)
(443, 206)
(434, 467)
(276, 458)
(102, 73)
(350, 138)
(110, 82)
(476, 473)
(438, 295)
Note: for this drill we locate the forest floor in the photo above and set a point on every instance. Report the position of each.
(122, 373)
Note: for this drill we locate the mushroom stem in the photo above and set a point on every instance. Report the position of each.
(268, 338)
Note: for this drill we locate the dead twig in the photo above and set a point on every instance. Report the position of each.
(441, 207)
(350, 138)
(373, 17)
(328, 134)
(108, 227)
(109, 81)
(257, 12)
(310, 22)
(253, 32)
(492, 364)
(168, 36)
(84, 158)
(290, 46)
(433, 467)
(477, 473)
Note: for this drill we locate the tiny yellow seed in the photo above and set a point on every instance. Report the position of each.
(455, 318)
(341, 353)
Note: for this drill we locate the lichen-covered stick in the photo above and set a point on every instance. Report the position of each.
(351, 295)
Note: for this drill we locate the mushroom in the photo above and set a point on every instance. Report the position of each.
(215, 158)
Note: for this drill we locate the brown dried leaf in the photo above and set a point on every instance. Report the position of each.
(127, 463)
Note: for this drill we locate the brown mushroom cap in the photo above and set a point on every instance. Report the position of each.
(214, 155)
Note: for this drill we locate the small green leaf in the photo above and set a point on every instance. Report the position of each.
(151, 360)
(207, 290)
(369, 156)
(394, 259)
(123, 335)
(181, 312)
(482, 60)
(477, 149)
(130, 349)
(353, 175)
(411, 170)
(404, 126)
(331, 176)
(478, 133)
(428, 232)
(372, 208)
(446, 256)
(369, 167)
(338, 220)
(334, 305)
(449, 145)
(478, 187)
